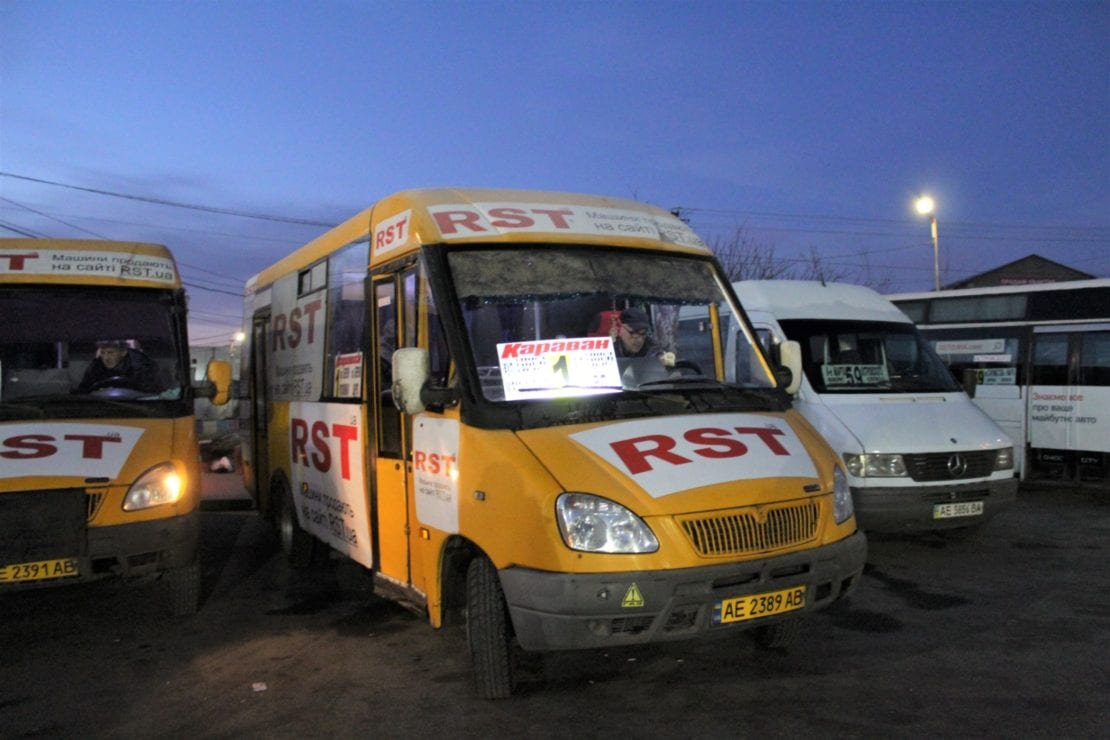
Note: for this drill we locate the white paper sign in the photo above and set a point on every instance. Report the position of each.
(558, 367)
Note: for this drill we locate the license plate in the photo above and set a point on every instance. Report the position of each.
(39, 571)
(755, 606)
(962, 508)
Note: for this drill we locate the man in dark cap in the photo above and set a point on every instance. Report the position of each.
(117, 366)
(633, 337)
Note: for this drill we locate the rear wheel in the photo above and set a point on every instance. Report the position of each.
(488, 631)
(296, 543)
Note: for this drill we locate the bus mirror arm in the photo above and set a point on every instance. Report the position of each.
(789, 373)
(411, 371)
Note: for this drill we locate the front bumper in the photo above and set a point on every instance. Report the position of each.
(911, 507)
(136, 549)
(563, 611)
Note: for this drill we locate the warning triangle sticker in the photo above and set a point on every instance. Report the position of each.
(632, 597)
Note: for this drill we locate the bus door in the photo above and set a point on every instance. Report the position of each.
(259, 417)
(1069, 402)
(394, 327)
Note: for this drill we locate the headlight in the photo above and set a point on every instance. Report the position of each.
(875, 466)
(159, 485)
(594, 524)
(842, 496)
(1005, 459)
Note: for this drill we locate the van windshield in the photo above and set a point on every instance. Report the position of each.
(868, 357)
(556, 322)
(69, 351)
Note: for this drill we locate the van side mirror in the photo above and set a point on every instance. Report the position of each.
(791, 368)
(216, 385)
(411, 369)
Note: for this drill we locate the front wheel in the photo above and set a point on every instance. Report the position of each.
(296, 543)
(488, 631)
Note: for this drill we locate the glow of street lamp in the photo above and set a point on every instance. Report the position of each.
(925, 205)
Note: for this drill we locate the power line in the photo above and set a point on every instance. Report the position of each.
(175, 204)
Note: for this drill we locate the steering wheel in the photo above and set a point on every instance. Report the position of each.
(113, 381)
(682, 365)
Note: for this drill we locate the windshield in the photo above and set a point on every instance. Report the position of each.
(554, 322)
(868, 357)
(72, 346)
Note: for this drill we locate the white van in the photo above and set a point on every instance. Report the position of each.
(919, 453)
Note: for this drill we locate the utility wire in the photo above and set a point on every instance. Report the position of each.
(175, 204)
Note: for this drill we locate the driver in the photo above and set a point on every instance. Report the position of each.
(632, 338)
(117, 366)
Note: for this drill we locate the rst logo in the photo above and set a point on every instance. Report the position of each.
(86, 450)
(289, 330)
(392, 232)
(319, 445)
(492, 218)
(672, 454)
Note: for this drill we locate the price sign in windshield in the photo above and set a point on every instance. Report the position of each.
(854, 374)
(558, 367)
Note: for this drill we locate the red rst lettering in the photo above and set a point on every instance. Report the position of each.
(767, 436)
(557, 216)
(321, 459)
(33, 445)
(510, 218)
(346, 434)
(635, 458)
(278, 331)
(713, 438)
(92, 447)
(298, 438)
(450, 221)
(16, 262)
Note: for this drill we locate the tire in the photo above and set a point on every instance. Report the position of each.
(182, 590)
(778, 635)
(296, 544)
(488, 632)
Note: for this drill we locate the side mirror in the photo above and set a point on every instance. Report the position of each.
(970, 380)
(791, 354)
(216, 385)
(411, 369)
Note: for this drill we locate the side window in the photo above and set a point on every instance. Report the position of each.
(1050, 359)
(346, 327)
(1094, 358)
(385, 319)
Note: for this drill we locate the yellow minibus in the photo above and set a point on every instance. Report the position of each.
(483, 397)
(99, 466)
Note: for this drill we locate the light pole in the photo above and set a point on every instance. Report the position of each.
(927, 207)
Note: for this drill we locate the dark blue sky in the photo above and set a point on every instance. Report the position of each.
(811, 126)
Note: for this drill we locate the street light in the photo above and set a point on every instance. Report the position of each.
(927, 207)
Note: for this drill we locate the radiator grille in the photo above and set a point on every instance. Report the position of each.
(752, 531)
(946, 466)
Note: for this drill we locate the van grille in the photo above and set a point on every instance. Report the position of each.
(945, 466)
(94, 499)
(751, 530)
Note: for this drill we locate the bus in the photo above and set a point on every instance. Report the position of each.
(481, 396)
(1036, 359)
(99, 465)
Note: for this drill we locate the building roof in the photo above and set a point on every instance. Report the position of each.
(1025, 271)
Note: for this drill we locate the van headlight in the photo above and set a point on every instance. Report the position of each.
(1005, 459)
(875, 466)
(842, 496)
(594, 524)
(157, 486)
